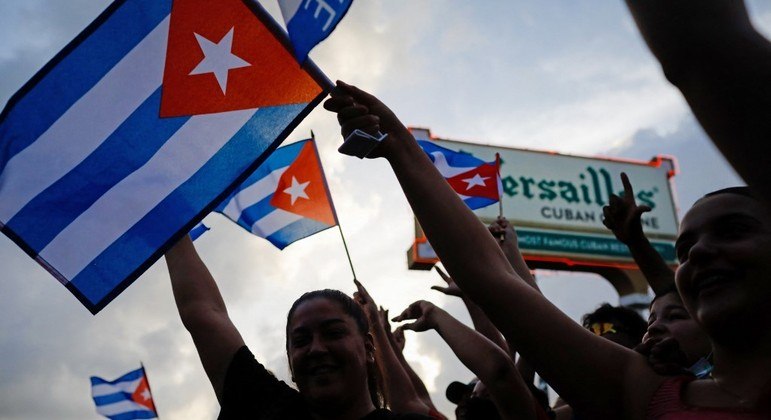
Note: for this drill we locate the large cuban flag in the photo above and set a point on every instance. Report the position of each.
(476, 182)
(139, 128)
(286, 198)
(311, 21)
(125, 398)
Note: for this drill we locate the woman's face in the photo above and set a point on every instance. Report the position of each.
(327, 354)
(669, 318)
(724, 248)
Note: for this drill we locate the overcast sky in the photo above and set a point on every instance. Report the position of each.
(571, 76)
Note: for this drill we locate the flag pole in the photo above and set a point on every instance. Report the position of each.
(348, 254)
(500, 193)
(339, 228)
(500, 198)
(147, 378)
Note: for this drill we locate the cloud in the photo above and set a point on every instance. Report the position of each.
(702, 167)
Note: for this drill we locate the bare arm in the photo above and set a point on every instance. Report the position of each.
(397, 345)
(722, 65)
(592, 368)
(622, 217)
(203, 312)
(478, 317)
(402, 396)
(490, 363)
(507, 239)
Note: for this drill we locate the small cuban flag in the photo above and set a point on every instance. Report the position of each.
(286, 198)
(311, 21)
(125, 398)
(140, 127)
(477, 182)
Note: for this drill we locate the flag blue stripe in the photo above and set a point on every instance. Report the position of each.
(454, 158)
(136, 141)
(40, 107)
(255, 212)
(112, 398)
(478, 202)
(131, 415)
(138, 244)
(280, 158)
(131, 376)
(198, 230)
(296, 231)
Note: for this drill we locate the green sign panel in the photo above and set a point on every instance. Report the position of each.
(562, 243)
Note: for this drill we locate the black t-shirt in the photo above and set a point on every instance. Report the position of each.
(251, 392)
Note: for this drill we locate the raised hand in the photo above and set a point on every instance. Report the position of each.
(422, 312)
(622, 214)
(664, 356)
(367, 304)
(357, 109)
(452, 289)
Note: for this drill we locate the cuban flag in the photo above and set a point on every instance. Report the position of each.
(125, 398)
(311, 21)
(477, 182)
(286, 198)
(139, 128)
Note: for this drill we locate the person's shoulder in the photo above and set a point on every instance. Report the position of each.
(383, 414)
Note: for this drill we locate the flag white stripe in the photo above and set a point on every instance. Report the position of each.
(273, 222)
(86, 124)
(120, 407)
(127, 202)
(444, 168)
(253, 194)
(107, 389)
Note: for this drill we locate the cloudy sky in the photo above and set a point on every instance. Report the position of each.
(572, 76)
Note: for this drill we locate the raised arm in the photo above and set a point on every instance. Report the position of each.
(507, 239)
(490, 363)
(595, 375)
(203, 312)
(481, 322)
(622, 217)
(401, 393)
(722, 65)
(396, 340)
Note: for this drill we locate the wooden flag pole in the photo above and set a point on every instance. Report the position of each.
(147, 378)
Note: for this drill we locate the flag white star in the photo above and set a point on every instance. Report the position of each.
(145, 394)
(218, 58)
(475, 180)
(297, 190)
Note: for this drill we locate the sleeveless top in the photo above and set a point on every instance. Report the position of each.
(667, 404)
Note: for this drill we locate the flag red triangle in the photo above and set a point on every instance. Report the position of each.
(141, 394)
(302, 188)
(478, 182)
(245, 59)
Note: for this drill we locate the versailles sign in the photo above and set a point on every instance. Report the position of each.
(555, 202)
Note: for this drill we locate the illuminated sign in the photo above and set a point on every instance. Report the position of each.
(555, 201)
